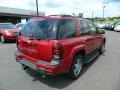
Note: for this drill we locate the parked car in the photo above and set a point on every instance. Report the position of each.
(101, 26)
(53, 45)
(8, 32)
(111, 26)
(117, 27)
(19, 25)
(106, 27)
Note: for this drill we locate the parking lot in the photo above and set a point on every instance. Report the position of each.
(102, 74)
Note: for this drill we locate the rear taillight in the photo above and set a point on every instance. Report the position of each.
(17, 43)
(57, 53)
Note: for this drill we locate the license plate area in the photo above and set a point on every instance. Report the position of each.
(27, 63)
(28, 45)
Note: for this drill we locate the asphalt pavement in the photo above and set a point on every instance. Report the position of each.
(101, 74)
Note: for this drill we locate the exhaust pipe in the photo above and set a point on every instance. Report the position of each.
(24, 67)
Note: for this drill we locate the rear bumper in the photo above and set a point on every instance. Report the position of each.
(42, 67)
(33, 66)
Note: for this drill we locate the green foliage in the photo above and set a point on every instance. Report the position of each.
(106, 20)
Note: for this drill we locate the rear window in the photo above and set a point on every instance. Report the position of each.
(7, 26)
(42, 29)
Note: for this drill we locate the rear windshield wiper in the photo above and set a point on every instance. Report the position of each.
(33, 38)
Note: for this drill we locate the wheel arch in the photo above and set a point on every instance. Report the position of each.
(81, 52)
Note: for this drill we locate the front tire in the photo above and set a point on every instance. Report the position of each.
(2, 39)
(76, 67)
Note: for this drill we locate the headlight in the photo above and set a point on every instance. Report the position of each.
(7, 33)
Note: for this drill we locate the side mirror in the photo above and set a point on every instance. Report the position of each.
(17, 26)
(101, 32)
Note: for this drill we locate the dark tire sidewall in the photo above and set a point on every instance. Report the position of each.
(71, 73)
(101, 49)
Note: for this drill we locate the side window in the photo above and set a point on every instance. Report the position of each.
(68, 28)
(93, 28)
(84, 27)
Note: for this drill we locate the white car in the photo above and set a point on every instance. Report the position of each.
(117, 27)
(19, 25)
(101, 26)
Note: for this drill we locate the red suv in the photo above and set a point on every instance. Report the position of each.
(59, 44)
(8, 32)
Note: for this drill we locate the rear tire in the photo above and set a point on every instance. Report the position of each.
(102, 49)
(76, 68)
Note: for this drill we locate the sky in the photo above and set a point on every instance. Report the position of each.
(87, 7)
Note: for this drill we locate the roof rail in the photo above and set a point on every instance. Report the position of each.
(64, 15)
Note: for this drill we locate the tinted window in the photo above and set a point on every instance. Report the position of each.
(94, 29)
(67, 29)
(7, 26)
(41, 29)
(84, 27)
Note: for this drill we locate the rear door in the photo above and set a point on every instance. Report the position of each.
(68, 36)
(97, 38)
(86, 36)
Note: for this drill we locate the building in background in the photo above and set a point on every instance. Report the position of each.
(15, 15)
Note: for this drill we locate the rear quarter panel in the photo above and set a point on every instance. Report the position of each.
(71, 47)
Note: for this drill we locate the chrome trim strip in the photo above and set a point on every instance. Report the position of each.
(27, 63)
